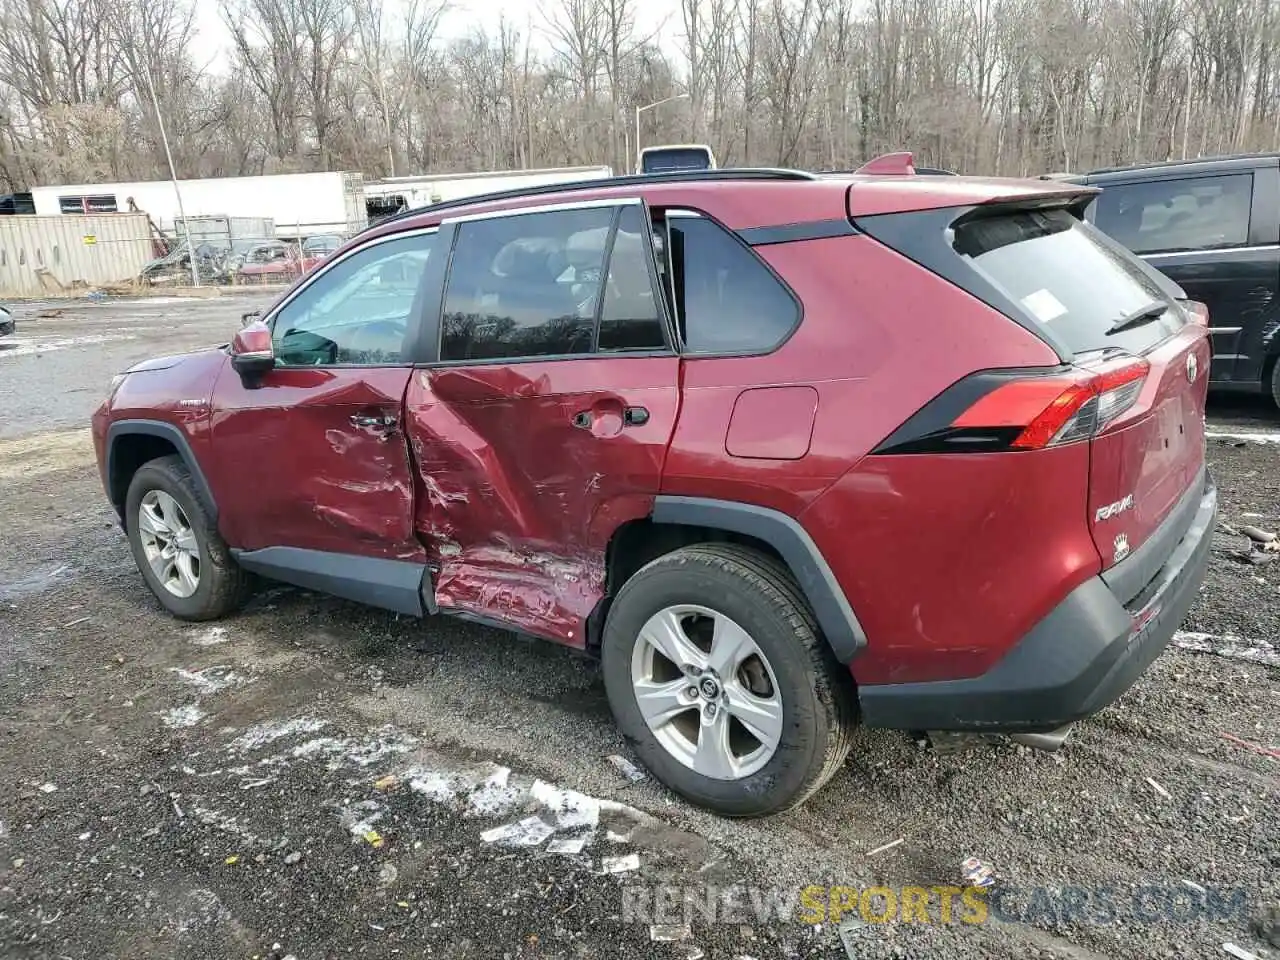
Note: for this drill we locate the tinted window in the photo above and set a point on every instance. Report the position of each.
(525, 286)
(726, 300)
(357, 311)
(1201, 213)
(675, 158)
(1068, 278)
(629, 315)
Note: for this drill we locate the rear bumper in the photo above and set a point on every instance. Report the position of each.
(1081, 657)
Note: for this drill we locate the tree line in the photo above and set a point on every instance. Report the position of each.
(1009, 87)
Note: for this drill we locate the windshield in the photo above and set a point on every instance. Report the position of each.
(1071, 279)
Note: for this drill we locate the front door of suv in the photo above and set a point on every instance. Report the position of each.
(314, 457)
(1215, 235)
(543, 423)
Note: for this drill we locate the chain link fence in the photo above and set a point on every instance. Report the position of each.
(73, 254)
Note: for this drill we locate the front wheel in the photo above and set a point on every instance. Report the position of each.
(718, 677)
(177, 547)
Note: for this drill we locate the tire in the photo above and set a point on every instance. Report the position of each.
(220, 586)
(755, 592)
(1275, 382)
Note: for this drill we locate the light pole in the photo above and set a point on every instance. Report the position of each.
(650, 106)
(173, 175)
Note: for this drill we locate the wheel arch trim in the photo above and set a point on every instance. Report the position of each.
(165, 431)
(840, 625)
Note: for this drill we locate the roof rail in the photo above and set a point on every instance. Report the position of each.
(894, 164)
(626, 180)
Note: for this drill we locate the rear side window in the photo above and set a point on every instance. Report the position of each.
(525, 285)
(630, 317)
(1195, 213)
(1069, 279)
(726, 300)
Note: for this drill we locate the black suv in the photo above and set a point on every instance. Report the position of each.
(1213, 227)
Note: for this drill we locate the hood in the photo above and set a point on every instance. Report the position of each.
(165, 363)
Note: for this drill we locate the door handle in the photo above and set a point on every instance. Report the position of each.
(373, 420)
(635, 416)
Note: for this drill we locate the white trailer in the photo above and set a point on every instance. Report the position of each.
(395, 193)
(300, 204)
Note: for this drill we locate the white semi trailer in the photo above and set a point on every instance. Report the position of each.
(300, 204)
(385, 197)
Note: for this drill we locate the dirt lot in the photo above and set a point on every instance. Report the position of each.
(314, 779)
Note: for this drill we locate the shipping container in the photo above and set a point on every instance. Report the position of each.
(49, 255)
(300, 204)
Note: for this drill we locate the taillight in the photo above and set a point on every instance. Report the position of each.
(1023, 410)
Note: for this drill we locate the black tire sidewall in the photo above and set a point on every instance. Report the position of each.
(153, 476)
(800, 751)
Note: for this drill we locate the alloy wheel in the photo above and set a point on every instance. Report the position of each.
(707, 692)
(169, 543)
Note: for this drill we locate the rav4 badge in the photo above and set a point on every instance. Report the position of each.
(1113, 509)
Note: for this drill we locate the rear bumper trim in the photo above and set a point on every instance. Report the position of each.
(1081, 657)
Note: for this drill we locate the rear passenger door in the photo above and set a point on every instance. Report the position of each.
(543, 421)
(1216, 236)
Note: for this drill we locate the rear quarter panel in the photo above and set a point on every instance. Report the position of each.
(878, 339)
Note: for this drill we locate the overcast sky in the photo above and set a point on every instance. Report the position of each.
(462, 17)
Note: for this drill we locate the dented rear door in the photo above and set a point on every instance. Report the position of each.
(544, 422)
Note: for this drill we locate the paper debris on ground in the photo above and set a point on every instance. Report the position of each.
(1239, 953)
(627, 768)
(528, 832)
(667, 933)
(977, 873)
(570, 845)
(623, 864)
(1159, 789)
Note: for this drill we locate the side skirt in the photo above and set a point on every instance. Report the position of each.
(390, 584)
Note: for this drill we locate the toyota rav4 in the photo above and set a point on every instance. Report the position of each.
(787, 452)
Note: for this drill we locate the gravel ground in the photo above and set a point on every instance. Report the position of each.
(316, 779)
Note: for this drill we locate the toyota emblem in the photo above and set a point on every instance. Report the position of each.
(1192, 367)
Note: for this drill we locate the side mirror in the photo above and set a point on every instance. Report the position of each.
(252, 354)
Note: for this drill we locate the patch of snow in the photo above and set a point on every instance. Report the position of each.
(210, 679)
(180, 717)
(265, 733)
(1232, 648)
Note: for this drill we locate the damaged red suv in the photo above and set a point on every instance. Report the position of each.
(787, 452)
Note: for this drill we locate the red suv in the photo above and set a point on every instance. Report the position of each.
(786, 451)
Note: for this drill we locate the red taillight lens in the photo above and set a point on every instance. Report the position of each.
(1057, 410)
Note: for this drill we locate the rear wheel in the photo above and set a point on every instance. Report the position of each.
(717, 676)
(177, 546)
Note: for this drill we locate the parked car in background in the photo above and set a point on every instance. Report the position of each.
(7, 323)
(786, 452)
(316, 249)
(269, 261)
(1213, 227)
(174, 268)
